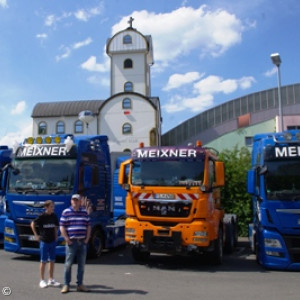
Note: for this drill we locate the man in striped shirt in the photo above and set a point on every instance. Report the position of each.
(75, 227)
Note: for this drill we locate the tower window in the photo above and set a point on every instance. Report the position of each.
(128, 63)
(78, 126)
(42, 129)
(60, 127)
(126, 128)
(126, 104)
(127, 39)
(128, 86)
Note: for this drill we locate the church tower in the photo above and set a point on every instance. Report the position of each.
(131, 58)
(131, 115)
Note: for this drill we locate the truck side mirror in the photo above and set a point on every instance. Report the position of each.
(251, 182)
(123, 174)
(219, 174)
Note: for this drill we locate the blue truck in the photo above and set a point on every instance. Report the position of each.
(54, 168)
(5, 158)
(274, 183)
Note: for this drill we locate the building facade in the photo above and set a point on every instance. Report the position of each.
(129, 116)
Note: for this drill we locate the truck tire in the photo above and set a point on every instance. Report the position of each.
(138, 255)
(216, 256)
(229, 238)
(96, 244)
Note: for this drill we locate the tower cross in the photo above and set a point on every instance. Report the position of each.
(130, 21)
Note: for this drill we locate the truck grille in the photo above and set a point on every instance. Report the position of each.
(25, 234)
(169, 209)
(293, 245)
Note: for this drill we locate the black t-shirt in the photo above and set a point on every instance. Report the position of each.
(46, 225)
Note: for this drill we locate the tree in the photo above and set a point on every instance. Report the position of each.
(235, 198)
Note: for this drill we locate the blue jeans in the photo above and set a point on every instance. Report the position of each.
(76, 249)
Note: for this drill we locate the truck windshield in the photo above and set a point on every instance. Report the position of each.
(282, 180)
(168, 173)
(42, 175)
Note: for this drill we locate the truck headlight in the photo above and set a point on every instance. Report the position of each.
(201, 233)
(272, 243)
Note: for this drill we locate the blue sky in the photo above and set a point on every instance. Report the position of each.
(205, 52)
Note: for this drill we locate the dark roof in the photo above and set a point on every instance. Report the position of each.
(65, 108)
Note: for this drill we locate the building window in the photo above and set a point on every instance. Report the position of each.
(126, 128)
(42, 128)
(128, 63)
(78, 127)
(127, 39)
(249, 141)
(126, 104)
(295, 127)
(128, 86)
(60, 127)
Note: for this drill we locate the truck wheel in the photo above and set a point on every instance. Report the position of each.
(96, 243)
(139, 256)
(216, 257)
(229, 238)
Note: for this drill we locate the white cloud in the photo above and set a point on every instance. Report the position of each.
(271, 72)
(80, 14)
(177, 33)
(66, 53)
(3, 3)
(92, 65)
(86, 14)
(204, 91)
(11, 138)
(177, 80)
(67, 50)
(19, 108)
(42, 36)
(82, 43)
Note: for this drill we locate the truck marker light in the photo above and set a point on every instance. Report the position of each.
(48, 140)
(39, 140)
(29, 140)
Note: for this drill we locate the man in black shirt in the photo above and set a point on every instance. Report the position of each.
(47, 224)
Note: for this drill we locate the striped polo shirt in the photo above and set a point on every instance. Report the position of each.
(75, 222)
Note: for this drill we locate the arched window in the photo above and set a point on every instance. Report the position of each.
(128, 63)
(128, 86)
(127, 39)
(60, 127)
(126, 128)
(126, 104)
(42, 129)
(78, 126)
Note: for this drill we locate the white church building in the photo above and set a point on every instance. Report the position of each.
(129, 116)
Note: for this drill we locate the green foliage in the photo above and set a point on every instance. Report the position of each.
(235, 198)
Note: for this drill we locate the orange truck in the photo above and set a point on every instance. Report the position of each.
(173, 202)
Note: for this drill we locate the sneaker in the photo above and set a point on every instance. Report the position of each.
(82, 288)
(53, 282)
(43, 284)
(65, 289)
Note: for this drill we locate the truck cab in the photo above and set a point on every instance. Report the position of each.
(173, 202)
(54, 168)
(274, 183)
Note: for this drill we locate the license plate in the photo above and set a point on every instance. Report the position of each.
(31, 238)
(164, 196)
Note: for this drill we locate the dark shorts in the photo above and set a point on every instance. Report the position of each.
(47, 251)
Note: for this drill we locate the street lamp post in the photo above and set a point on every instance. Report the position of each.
(277, 61)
